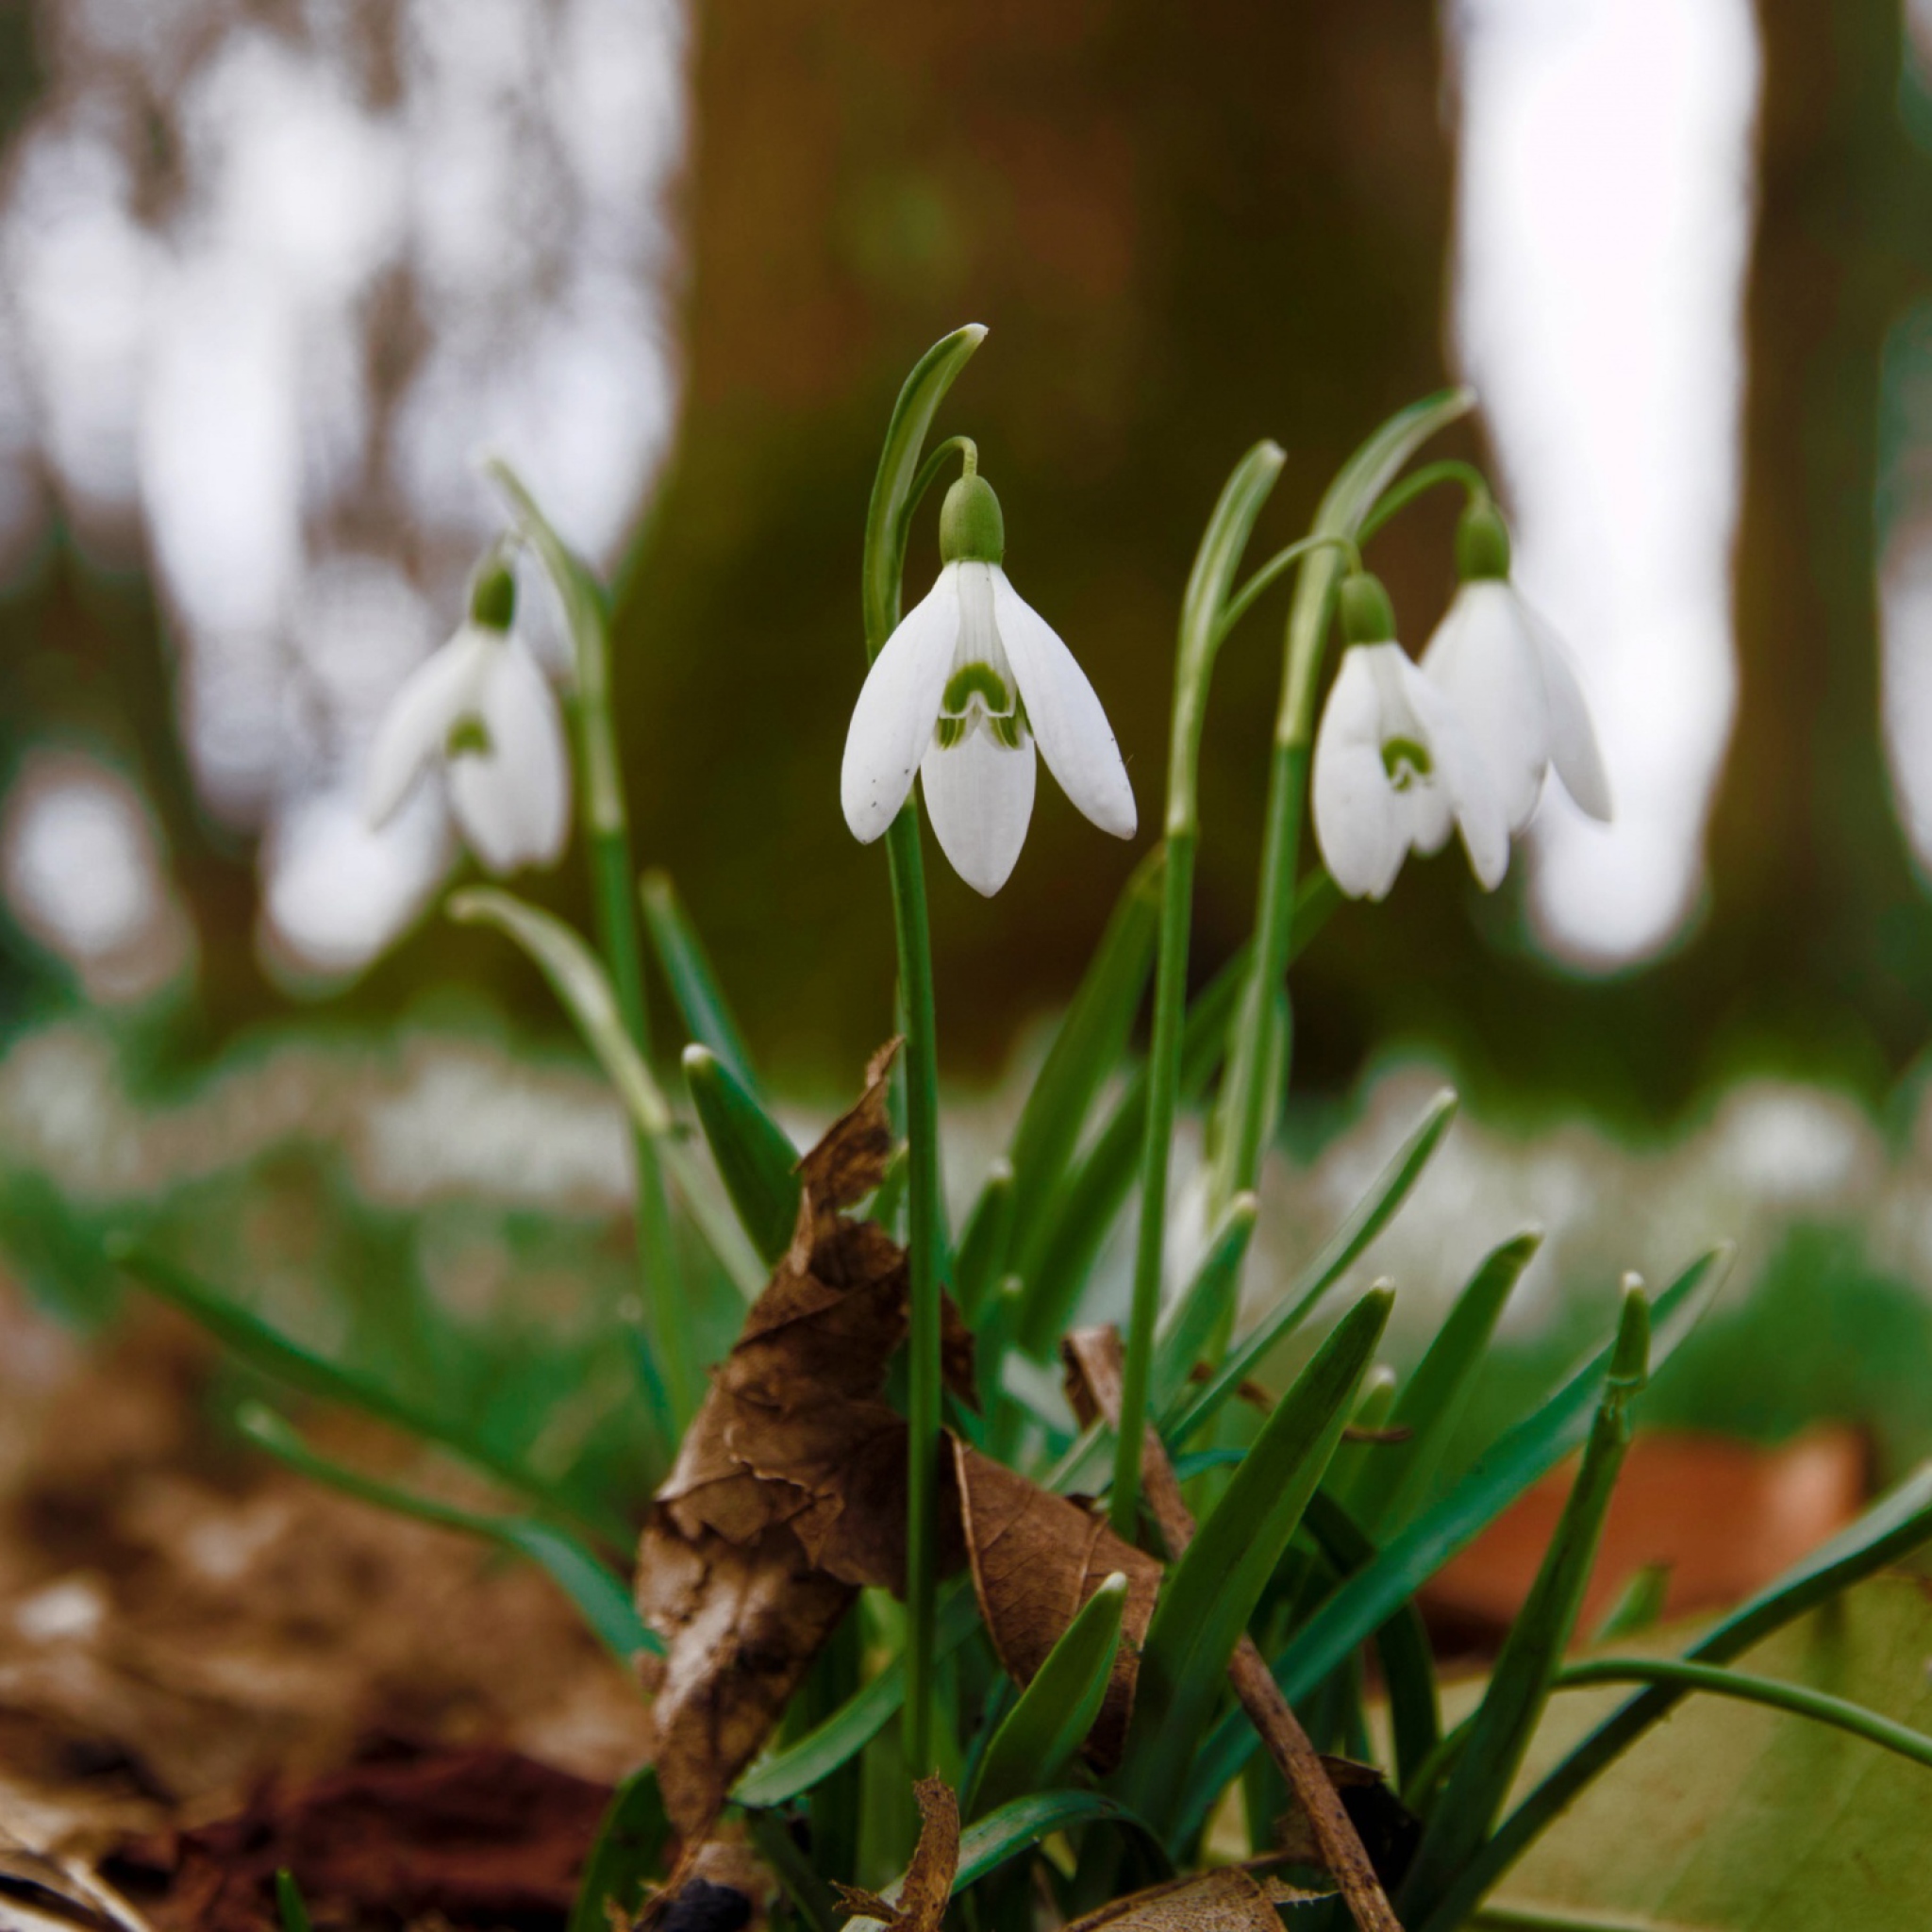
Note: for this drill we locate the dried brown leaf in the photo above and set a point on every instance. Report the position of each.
(789, 1493)
(1229, 1899)
(1037, 1558)
(923, 1892)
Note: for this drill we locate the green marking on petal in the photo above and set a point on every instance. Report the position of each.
(976, 681)
(468, 738)
(1405, 760)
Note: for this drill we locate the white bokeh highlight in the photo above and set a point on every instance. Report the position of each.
(1603, 231)
(374, 243)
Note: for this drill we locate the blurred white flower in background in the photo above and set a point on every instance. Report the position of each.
(265, 289)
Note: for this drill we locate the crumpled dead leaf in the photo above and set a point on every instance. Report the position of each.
(923, 1892)
(789, 1493)
(1037, 1558)
(1227, 1899)
(481, 1836)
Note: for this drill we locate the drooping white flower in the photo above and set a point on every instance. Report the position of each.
(482, 708)
(1394, 768)
(1511, 680)
(972, 679)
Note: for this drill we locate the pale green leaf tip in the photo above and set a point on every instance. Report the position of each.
(470, 904)
(1630, 1360)
(1243, 1209)
(655, 884)
(999, 1173)
(698, 1059)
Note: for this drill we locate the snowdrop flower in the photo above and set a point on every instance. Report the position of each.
(1394, 767)
(482, 707)
(962, 690)
(1511, 681)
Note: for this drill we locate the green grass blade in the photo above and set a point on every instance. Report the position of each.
(1204, 1307)
(686, 967)
(583, 990)
(1085, 1054)
(1518, 1687)
(267, 1349)
(755, 1159)
(1098, 1185)
(289, 1906)
(1640, 1604)
(979, 1266)
(1373, 1212)
(1519, 1458)
(1890, 1530)
(1057, 1709)
(1393, 1482)
(1798, 1699)
(628, 1853)
(850, 1728)
(1210, 1592)
(1020, 1824)
(601, 1596)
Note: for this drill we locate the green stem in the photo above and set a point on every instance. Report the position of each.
(607, 837)
(900, 482)
(1799, 1699)
(1474, 484)
(1243, 599)
(1202, 628)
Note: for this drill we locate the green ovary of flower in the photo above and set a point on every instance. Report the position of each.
(1404, 761)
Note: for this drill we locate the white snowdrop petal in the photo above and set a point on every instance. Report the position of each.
(891, 724)
(513, 799)
(417, 725)
(979, 797)
(1485, 659)
(1573, 748)
(1358, 828)
(1463, 781)
(1074, 738)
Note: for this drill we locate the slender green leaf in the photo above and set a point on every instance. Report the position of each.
(1020, 1824)
(585, 993)
(855, 1723)
(1390, 1484)
(289, 1903)
(979, 1266)
(686, 967)
(1640, 1604)
(1890, 1530)
(1373, 1213)
(1799, 1699)
(628, 1854)
(1519, 1458)
(267, 1349)
(1210, 1592)
(755, 1159)
(600, 1595)
(1519, 1685)
(1085, 1054)
(1057, 1709)
(1204, 1305)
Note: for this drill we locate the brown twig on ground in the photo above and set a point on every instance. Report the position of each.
(1094, 1356)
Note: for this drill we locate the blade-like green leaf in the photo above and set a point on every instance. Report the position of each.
(857, 1723)
(701, 1002)
(288, 1903)
(1640, 1604)
(1020, 1824)
(1210, 1592)
(1373, 1212)
(1890, 1530)
(979, 1266)
(755, 1159)
(272, 1352)
(600, 1595)
(628, 1849)
(1057, 1709)
(1518, 1687)
(585, 993)
(1390, 1484)
(1096, 1189)
(1519, 1458)
(1203, 1306)
(1085, 1054)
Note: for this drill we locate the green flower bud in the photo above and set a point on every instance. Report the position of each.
(494, 595)
(1367, 615)
(1482, 541)
(972, 530)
